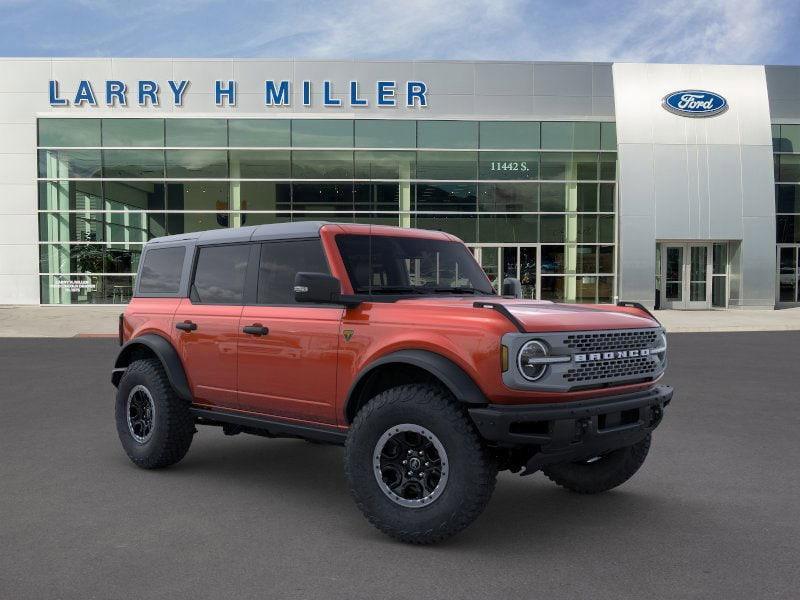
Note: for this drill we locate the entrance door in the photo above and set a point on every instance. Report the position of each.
(520, 262)
(686, 276)
(788, 275)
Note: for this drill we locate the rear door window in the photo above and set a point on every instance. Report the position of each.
(280, 262)
(161, 270)
(220, 274)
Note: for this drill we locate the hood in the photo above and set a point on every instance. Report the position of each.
(540, 315)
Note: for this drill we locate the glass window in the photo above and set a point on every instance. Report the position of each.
(464, 227)
(788, 229)
(133, 132)
(89, 258)
(553, 288)
(70, 195)
(197, 132)
(280, 263)
(86, 289)
(553, 197)
(134, 195)
(263, 195)
(776, 135)
(557, 135)
(161, 270)
(509, 134)
(451, 197)
(587, 229)
(131, 227)
(605, 263)
(322, 133)
(508, 197)
(608, 166)
(585, 166)
(553, 228)
(385, 165)
(381, 197)
(553, 259)
(509, 165)
(557, 166)
(259, 133)
(66, 133)
(219, 274)
(322, 164)
(63, 164)
(447, 134)
(605, 229)
(132, 164)
(197, 164)
(587, 136)
(606, 197)
(587, 197)
(608, 136)
(198, 196)
(260, 164)
(720, 262)
(789, 170)
(322, 196)
(447, 165)
(387, 264)
(790, 138)
(508, 228)
(787, 198)
(605, 289)
(382, 133)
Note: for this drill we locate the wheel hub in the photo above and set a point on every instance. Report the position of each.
(410, 465)
(140, 411)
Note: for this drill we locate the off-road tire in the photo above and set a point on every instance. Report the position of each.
(173, 426)
(609, 471)
(472, 471)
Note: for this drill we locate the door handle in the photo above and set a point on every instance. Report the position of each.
(186, 326)
(255, 329)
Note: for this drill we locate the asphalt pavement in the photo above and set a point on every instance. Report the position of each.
(714, 512)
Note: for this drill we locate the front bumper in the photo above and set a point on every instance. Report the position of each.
(572, 431)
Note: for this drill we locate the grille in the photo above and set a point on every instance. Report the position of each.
(602, 370)
(611, 340)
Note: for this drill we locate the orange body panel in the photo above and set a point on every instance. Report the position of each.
(304, 368)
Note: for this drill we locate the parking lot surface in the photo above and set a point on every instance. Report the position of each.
(714, 512)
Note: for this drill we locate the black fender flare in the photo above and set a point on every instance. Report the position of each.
(461, 385)
(165, 353)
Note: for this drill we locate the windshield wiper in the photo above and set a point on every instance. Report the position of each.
(390, 289)
(458, 290)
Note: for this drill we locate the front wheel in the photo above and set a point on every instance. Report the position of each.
(600, 473)
(416, 467)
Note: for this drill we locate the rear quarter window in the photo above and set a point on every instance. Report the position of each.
(161, 270)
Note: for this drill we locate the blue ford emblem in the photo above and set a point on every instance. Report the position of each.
(695, 103)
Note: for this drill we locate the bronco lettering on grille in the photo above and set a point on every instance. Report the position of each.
(594, 356)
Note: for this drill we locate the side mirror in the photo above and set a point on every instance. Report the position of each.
(512, 287)
(318, 288)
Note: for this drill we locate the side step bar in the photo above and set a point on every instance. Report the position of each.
(269, 427)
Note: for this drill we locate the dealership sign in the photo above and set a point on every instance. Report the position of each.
(695, 103)
(110, 93)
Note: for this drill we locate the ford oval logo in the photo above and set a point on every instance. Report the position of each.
(695, 103)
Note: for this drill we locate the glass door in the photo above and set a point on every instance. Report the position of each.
(686, 276)
(788, 275)
(672, 263)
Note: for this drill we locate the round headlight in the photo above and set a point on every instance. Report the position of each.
(527, 360)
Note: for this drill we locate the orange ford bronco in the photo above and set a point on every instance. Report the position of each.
(391, 342)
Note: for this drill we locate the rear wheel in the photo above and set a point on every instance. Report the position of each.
(416, 467)
(153, 424)
(600, 473)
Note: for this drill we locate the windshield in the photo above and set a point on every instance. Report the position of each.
(406, 265)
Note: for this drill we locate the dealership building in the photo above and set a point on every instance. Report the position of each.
(676, 186)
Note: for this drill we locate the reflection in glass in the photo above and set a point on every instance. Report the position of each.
(212, 164)
(65, 133)
(447, 165)
(197, 133)
(132, 164)
(64, 164)
(508, 197)
(322, 164)
(384, 133)
(133, 132)
(258, 133)
(385, 165)
(447, 134)
(455, 197)
(509, 134)
(322, 133)
(260, 164)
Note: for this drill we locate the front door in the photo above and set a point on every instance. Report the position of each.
(686, 275)
(288, 352)
(788, 280)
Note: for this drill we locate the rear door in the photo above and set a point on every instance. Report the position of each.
(288, 351)
(206, 324)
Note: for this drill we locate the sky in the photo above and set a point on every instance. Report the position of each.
(680, 31)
